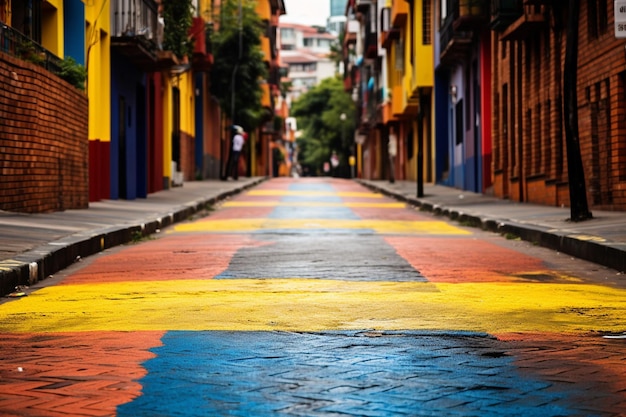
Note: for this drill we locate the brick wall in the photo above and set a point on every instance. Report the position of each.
(528, 131)
(43, 140)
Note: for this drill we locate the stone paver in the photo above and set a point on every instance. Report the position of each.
(316, 297)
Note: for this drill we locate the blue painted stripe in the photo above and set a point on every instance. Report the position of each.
(339, 373)
(325, 213)
(322, 187)
(316, 212)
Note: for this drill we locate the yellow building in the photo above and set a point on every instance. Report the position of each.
(411, 78)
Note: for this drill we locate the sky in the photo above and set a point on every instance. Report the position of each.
(306, 12)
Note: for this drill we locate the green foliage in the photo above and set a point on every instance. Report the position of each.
(336, 51)
(319, 117)
(178, 18)
(248, 67)
(73, 72)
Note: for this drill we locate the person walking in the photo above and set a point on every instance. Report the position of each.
(232, 167)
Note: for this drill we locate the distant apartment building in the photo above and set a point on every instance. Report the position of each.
(305, 51)
(337, 19)
(338, 7)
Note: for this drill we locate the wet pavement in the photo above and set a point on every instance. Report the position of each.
(317, 297)
(601, 240)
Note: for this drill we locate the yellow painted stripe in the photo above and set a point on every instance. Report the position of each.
(378, 226)
(310, 204)
(11, 262)
(315, 305)
(285, 193)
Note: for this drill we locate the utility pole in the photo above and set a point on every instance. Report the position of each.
(420, 145)
(579, 209)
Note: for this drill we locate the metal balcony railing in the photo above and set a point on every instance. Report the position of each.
(447, 31)
(20, 46)
(470, 14)
(455, 44)
(136, 18)
(505, 12)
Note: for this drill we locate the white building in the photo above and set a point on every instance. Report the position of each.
(305, 50)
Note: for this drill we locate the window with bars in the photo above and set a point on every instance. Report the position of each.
(426, 23)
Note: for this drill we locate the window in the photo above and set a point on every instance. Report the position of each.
(597, 18)
(399, 62)
(426, 24)
(287, 33)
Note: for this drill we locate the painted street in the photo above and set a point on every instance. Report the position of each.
(318, 297)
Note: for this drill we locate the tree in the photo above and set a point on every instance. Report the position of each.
(239, 63)
(579, 210)
(178, 18)
(336, 51)
(319, 117)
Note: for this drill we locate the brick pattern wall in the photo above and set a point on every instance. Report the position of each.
(529, 146)
(43, 140)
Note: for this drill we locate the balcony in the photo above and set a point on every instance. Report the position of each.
(278, 7)
(352, 31)
(505, 12)
(399, 13)
(397, 101)
(470, 14)
(135, 31)
(531, 22)
(14, 43)
(455, 45)
(390, 36)
(370, 40)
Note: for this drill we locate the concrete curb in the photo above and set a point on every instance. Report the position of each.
(609, 254)
(45, 260)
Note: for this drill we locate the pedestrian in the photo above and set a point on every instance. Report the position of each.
(232, 167)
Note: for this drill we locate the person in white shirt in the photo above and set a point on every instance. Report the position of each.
(232, 167)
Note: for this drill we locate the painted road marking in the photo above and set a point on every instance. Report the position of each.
(378, 226)
(9, 265)
(273, 373)
(312, 204)
(307, 305)
(284, 193)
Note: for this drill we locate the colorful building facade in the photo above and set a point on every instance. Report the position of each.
(463, 68)
(471, 95)
(151, 122)
(43, 128)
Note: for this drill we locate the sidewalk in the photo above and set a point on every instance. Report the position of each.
(601, 240)
(35, 246)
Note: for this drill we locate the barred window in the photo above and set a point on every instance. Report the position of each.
(426, 23)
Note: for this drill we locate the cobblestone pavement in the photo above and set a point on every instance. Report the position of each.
(317, 297)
